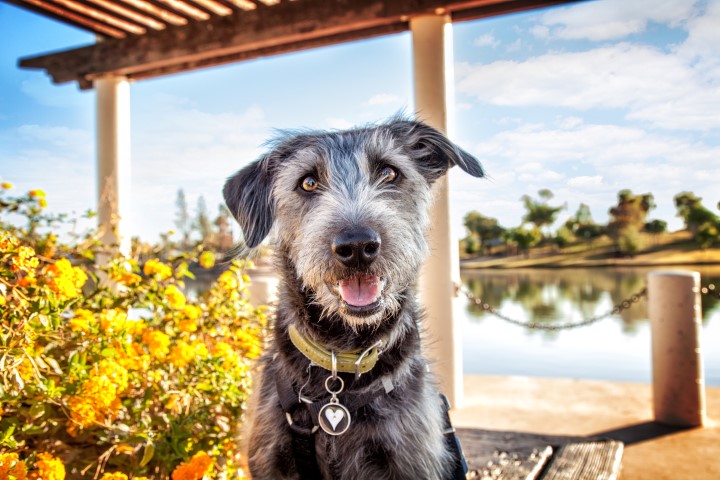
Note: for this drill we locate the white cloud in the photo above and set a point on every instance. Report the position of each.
(654, 86)
(337, 123)
(486, 40)
(611, 19)
(585, 181)
(176, 145)
(383, 99)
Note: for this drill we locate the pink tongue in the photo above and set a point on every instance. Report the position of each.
(360, 290)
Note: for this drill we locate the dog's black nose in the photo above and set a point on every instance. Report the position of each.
(357, 247)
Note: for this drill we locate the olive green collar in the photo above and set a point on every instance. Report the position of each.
(355, 361)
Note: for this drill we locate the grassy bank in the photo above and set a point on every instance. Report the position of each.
(677, 248)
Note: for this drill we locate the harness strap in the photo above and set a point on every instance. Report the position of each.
(460, 467)
(303, 435)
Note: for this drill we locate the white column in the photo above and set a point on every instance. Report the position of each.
(113, 161)
(432, 69)
(676, 324)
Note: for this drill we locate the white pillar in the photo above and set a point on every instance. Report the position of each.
(432, 70)
(113, 161)
(676, 324)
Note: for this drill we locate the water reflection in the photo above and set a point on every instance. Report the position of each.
(616, 348)
(552, 296)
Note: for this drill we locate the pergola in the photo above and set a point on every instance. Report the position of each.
(139, 39)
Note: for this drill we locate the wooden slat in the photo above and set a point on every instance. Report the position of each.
(130, 14)
(242, 4)
(187, 9)
(213, 7)
(102, 16)
(586, 460)
(286, 27)
(67, 16)
(157, 12)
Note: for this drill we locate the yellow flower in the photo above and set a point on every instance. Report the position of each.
(97, 401)
(36, 193)
(117, 321)
(3, 302)
(156, 268)
(6, 185)
(25, 259)
(228, 280)
(191, 313)
(114, 476)
(66, 280)
(82, 320)
(157, 343)
(196, 468)
(8, 241)
(48, 468)
(183, 353)
(175, 297)
(225, 351)
(207, 260)
(42, 202)
(12, 467)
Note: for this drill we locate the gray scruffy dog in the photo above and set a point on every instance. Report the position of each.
(349, 212)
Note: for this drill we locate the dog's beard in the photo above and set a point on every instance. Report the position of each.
(356, 301)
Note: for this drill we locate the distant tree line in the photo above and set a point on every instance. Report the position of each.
(193, 231)
(628, 219)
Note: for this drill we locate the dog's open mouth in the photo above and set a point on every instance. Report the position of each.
(361, 293)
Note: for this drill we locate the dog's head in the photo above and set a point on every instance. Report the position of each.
(349, 209)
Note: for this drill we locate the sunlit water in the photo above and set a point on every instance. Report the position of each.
(616, 348)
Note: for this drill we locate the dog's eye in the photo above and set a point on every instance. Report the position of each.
(388, 174)
(309, 183)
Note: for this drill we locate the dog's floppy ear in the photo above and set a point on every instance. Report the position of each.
(248, 195)
(432, 150)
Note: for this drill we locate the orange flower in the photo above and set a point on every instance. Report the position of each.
(48, 468)
(36, 193)
(196, 468)
(6, 185)
(12, 467)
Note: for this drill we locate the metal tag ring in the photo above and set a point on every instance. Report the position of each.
(327, 387)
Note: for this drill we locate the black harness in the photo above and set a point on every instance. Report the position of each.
(303, 432)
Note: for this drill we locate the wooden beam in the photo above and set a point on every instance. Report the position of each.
(282, 28)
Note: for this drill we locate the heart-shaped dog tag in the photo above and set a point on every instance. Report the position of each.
(334, 418)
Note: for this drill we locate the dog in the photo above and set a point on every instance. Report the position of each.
(343, 390)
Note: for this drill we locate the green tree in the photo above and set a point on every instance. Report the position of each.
(563, 237)
(482, 229)
(694, 214)
(182, 219)
(582, 224)
(202, 223)
(524, 238)
(539, 212)
(628, 218)
(656, 226)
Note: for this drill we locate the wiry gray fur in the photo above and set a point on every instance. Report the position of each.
(400, 434)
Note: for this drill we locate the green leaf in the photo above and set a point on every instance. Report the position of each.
(147, 454)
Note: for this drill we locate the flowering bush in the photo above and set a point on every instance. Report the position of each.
(110, 371)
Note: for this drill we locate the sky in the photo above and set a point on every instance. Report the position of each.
(585, 100)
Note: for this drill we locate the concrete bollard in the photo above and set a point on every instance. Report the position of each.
(676, 323)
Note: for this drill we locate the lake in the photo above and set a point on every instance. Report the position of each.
(616, 348)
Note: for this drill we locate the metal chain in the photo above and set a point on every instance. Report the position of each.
(618, 308)
(711, 290)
